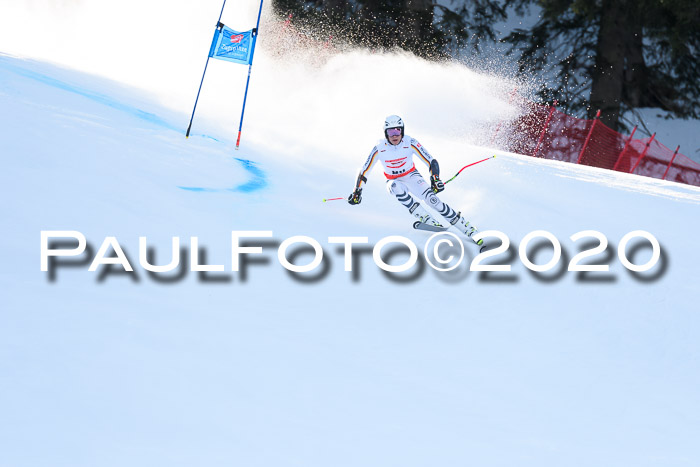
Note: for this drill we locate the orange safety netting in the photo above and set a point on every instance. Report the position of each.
(542, 131)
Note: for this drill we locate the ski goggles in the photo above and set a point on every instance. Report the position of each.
(393, 132)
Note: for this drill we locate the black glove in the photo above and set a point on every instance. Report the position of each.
(436, 184)
(355, 197)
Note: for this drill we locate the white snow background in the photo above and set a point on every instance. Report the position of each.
(101, 369)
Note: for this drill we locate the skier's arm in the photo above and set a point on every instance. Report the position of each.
(434, 168)
(356, 196)
(436, 184)
(423, 154)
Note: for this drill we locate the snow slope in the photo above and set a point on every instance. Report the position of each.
(340, 368)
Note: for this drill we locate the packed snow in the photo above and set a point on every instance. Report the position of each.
(262, 367)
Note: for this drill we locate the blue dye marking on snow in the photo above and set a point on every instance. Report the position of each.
(100, 98)
(194, 188)
(257, 182)
(210, 137)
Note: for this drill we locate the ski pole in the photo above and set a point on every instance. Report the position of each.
(473, 163)
(331, 199)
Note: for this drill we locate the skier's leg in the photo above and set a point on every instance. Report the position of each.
(417, 185)
(399, 189)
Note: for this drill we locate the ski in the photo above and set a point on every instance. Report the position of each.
(428, 227)
(418, 225)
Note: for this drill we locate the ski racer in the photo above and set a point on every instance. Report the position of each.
(395, 152)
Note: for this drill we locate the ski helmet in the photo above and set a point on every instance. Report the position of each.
(393, 121)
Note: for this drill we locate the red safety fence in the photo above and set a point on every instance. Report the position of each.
(543, 131)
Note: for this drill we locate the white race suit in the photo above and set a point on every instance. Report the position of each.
(403, 180)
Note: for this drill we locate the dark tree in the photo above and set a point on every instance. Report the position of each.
(614, 55)
(404, 24)
(425, 28)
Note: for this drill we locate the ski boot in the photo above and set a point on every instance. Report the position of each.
(423, 215)
(461, 224)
